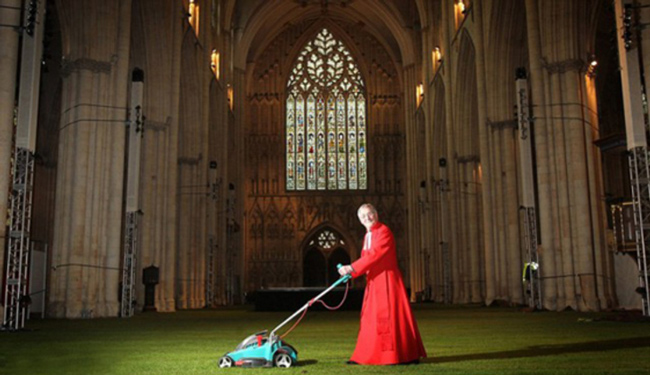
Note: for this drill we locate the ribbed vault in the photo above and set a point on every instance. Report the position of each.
(260, 22)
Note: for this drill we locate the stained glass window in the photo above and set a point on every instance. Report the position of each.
(326, 119)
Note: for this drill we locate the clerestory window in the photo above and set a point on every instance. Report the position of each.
(326, 134)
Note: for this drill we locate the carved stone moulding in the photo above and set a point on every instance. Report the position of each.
(95, 66)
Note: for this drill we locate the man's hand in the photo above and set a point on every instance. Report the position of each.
(346, 270)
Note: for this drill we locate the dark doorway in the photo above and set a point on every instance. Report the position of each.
(314, 268)
(337, 256)
(325, 250)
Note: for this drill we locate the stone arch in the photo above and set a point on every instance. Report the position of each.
(338, 33)
(465, 179)
(439, 120)
(384, 23)
(467, 98)
(507, 52)
(322, 248)
(191, 264)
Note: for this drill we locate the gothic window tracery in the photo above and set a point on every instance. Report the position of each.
(326, 134)
(327, 240)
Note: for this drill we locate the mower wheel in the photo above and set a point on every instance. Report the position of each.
(225, 362)
(283, 360)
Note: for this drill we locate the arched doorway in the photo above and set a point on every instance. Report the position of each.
(324, 250)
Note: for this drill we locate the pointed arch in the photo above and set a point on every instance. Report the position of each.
(323, 248)
(467, 97)
(257, 222)
(326, 118)
(288, 222)
(273, 227)
(439, 119)
(468, 255)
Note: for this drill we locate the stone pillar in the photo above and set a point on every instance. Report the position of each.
(483, 190)
(582, 217)
(450, 209)
(10, 15)
(237, 178)
(412, 181)
(160, 29)
(569, 227)
(544, 164)
(86, 252)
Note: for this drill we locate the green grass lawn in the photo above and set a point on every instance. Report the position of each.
(459, 340)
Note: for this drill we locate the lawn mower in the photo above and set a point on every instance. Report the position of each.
(262, 350)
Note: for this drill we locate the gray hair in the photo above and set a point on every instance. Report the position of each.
(368, 206)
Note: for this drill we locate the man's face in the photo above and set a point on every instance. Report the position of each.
(367, 217)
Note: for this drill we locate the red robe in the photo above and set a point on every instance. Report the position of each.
(388, 333)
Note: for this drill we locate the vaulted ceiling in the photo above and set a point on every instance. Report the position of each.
(258, 22)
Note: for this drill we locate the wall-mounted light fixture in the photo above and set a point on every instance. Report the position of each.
(591, 69)
(460, 10)
(419, 93)
(461, 6)
(231, 97)
(436, 58)
(437, 54)
(215, 63)
(193, 16)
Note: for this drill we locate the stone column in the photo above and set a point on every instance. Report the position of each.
(544, 164)
(237, 178)
(86, 253)
(563, 151)
(413, 183)
(483, 191)
(161, 31)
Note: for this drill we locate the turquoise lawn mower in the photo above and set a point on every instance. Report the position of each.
(262, 350)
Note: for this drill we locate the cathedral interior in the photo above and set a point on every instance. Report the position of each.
(224, 147)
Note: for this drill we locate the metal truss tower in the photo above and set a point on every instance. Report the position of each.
(209, 277)
(531, 268)
(636, 128)
(531, 279)
(132, 210)
(443, 188)
(16, 296)
(640, 179)
(128, 268)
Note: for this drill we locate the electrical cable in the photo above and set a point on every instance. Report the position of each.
(347, 287)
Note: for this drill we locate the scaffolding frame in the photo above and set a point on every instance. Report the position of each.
(16, 294)
(443, 188)
(640, 181)
(636, 128)
(531, 270)
(531, 276)
(209, 277)
(127, 306)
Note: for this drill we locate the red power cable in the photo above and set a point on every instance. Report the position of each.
(347, 286)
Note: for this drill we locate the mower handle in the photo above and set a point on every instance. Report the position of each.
(346, 277)
(341, 280)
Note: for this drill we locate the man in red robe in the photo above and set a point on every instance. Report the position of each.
(388, 333)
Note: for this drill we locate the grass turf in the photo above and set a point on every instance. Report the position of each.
(459, 340)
